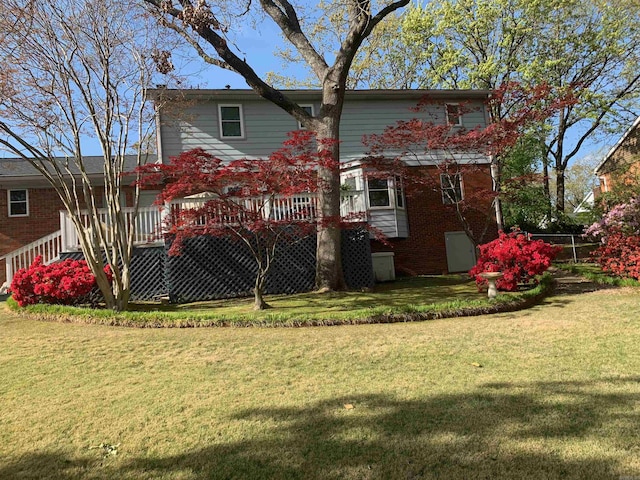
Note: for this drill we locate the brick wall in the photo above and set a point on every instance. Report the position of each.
(43, 219)
(424, 251)
(624, 164)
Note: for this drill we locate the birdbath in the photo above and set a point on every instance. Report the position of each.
(491, 278)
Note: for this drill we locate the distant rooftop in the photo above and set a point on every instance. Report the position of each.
(20, 168)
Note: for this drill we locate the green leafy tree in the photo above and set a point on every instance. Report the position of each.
(580, 180)
(524, 202)
(589, 46)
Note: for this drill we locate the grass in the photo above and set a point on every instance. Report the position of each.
(417, 298)
(550, 392)
(594, 273)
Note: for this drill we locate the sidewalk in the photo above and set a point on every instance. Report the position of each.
(572, 284)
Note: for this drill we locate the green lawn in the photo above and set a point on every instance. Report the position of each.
(549, 392)
(406, 299)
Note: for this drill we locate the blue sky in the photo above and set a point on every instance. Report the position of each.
(258, 47)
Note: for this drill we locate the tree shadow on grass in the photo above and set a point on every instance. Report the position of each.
(501, 430)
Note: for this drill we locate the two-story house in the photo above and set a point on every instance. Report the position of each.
(423, 232)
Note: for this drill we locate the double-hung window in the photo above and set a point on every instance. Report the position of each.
(18, 202)
(382, 191)
(453, 114)
(231, 121)
(309, 110)
(378, 192)
(452, 191)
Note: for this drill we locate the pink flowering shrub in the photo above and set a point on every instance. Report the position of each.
(619, 232)
(67, 282)
(623, 218)
(517, 257)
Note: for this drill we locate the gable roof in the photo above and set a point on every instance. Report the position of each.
(615, 148)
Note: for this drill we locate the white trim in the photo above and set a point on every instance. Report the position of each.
(397, 182)
(445, 199)
(242, 135)
(304, 105)
(616, 146)
(9, 202)
(390, 196)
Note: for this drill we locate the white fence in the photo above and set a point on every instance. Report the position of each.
(560, 239)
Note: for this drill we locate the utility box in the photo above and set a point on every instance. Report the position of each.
(383, 267)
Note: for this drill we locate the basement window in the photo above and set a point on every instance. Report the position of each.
(18, 203)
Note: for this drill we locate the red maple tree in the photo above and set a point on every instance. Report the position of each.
(427, 153)
(260, 202)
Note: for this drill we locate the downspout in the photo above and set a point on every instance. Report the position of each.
(495, 181)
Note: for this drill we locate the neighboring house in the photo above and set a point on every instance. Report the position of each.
(587, 203)
(32, 217)
(622, 163)
(424, 234)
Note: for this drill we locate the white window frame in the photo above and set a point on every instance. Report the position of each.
(312, 113)
(388, 190)
(395, 190)
(447, 177)
(9, 202)
(220, 120)
(398, 193)
(459, 114)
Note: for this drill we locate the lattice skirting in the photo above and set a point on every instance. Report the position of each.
(147, 272)
(211, 268)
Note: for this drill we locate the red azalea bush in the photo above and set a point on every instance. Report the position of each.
(67, 282)
(517, 257)
(619, 255)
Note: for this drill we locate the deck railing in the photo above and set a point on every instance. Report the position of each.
(49, 247)
(299, 207)
(147, 224)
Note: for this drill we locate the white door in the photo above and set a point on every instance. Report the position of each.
(461, 254)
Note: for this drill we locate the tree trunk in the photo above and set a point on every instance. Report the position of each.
(110, 300)
(122, 291)
(560, 189)
(545, 173)
(329, 275)
(258, 290)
